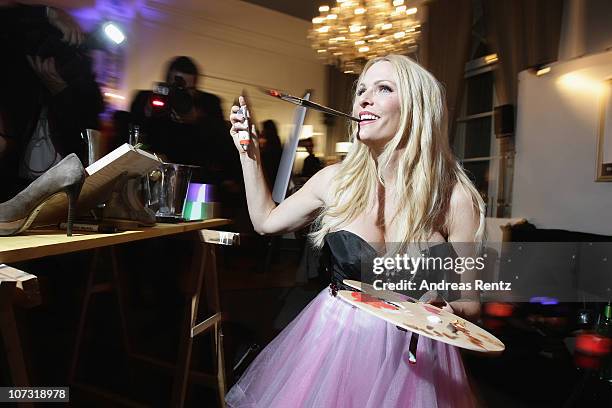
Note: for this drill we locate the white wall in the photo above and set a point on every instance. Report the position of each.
(238, 45)
(556, 142)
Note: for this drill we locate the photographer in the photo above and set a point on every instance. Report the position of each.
(49, 93)
(185, 125)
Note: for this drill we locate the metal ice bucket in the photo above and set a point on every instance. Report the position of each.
(97, 145)
(167, 188)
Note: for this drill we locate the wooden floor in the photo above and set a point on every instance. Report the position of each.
(257, 304)
(155, 313)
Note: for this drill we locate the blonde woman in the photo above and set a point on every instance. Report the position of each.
(399, 184)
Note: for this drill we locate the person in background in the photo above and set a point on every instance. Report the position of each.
(4, 140)
(5, 149)
(312, 164)
(49, 93)
(271, 150)
(310, 260)
(194, 135)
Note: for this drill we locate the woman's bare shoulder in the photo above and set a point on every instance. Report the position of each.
(322, 180)
(461, 199)
(328, 173)
(464, 216)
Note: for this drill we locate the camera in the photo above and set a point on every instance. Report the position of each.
(72, 63)
(167, 99)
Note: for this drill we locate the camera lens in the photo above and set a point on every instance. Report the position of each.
(179, 82)
(181, 101)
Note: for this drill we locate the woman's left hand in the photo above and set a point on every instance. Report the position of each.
(468, 309)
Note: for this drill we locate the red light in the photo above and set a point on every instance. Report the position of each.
(588, 362)
(498, 309)
(593, 344)
(157, 102)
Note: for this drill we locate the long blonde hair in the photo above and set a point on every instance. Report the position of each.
(426, 172)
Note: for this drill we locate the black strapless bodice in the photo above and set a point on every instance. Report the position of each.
(348, 256)
(345, 256)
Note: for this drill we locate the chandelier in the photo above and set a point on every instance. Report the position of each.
(351, 32)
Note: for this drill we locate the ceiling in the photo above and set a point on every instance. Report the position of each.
(304, 9)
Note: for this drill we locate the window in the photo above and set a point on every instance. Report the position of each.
(474, 143)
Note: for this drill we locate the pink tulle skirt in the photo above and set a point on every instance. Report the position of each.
(335, 355)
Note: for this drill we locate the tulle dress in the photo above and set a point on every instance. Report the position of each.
(335, 355)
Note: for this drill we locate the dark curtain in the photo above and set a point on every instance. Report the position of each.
(339, 97)
(445, 47)
(523, 33)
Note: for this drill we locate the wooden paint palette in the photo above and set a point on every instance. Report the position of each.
(421, 318)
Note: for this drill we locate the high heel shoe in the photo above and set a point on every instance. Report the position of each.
(66, 177)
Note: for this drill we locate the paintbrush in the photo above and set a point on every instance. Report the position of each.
(308, 104)
(414, 338)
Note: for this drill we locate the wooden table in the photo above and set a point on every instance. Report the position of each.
(36, 244)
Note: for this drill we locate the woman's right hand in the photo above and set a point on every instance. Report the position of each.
(240, 123)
